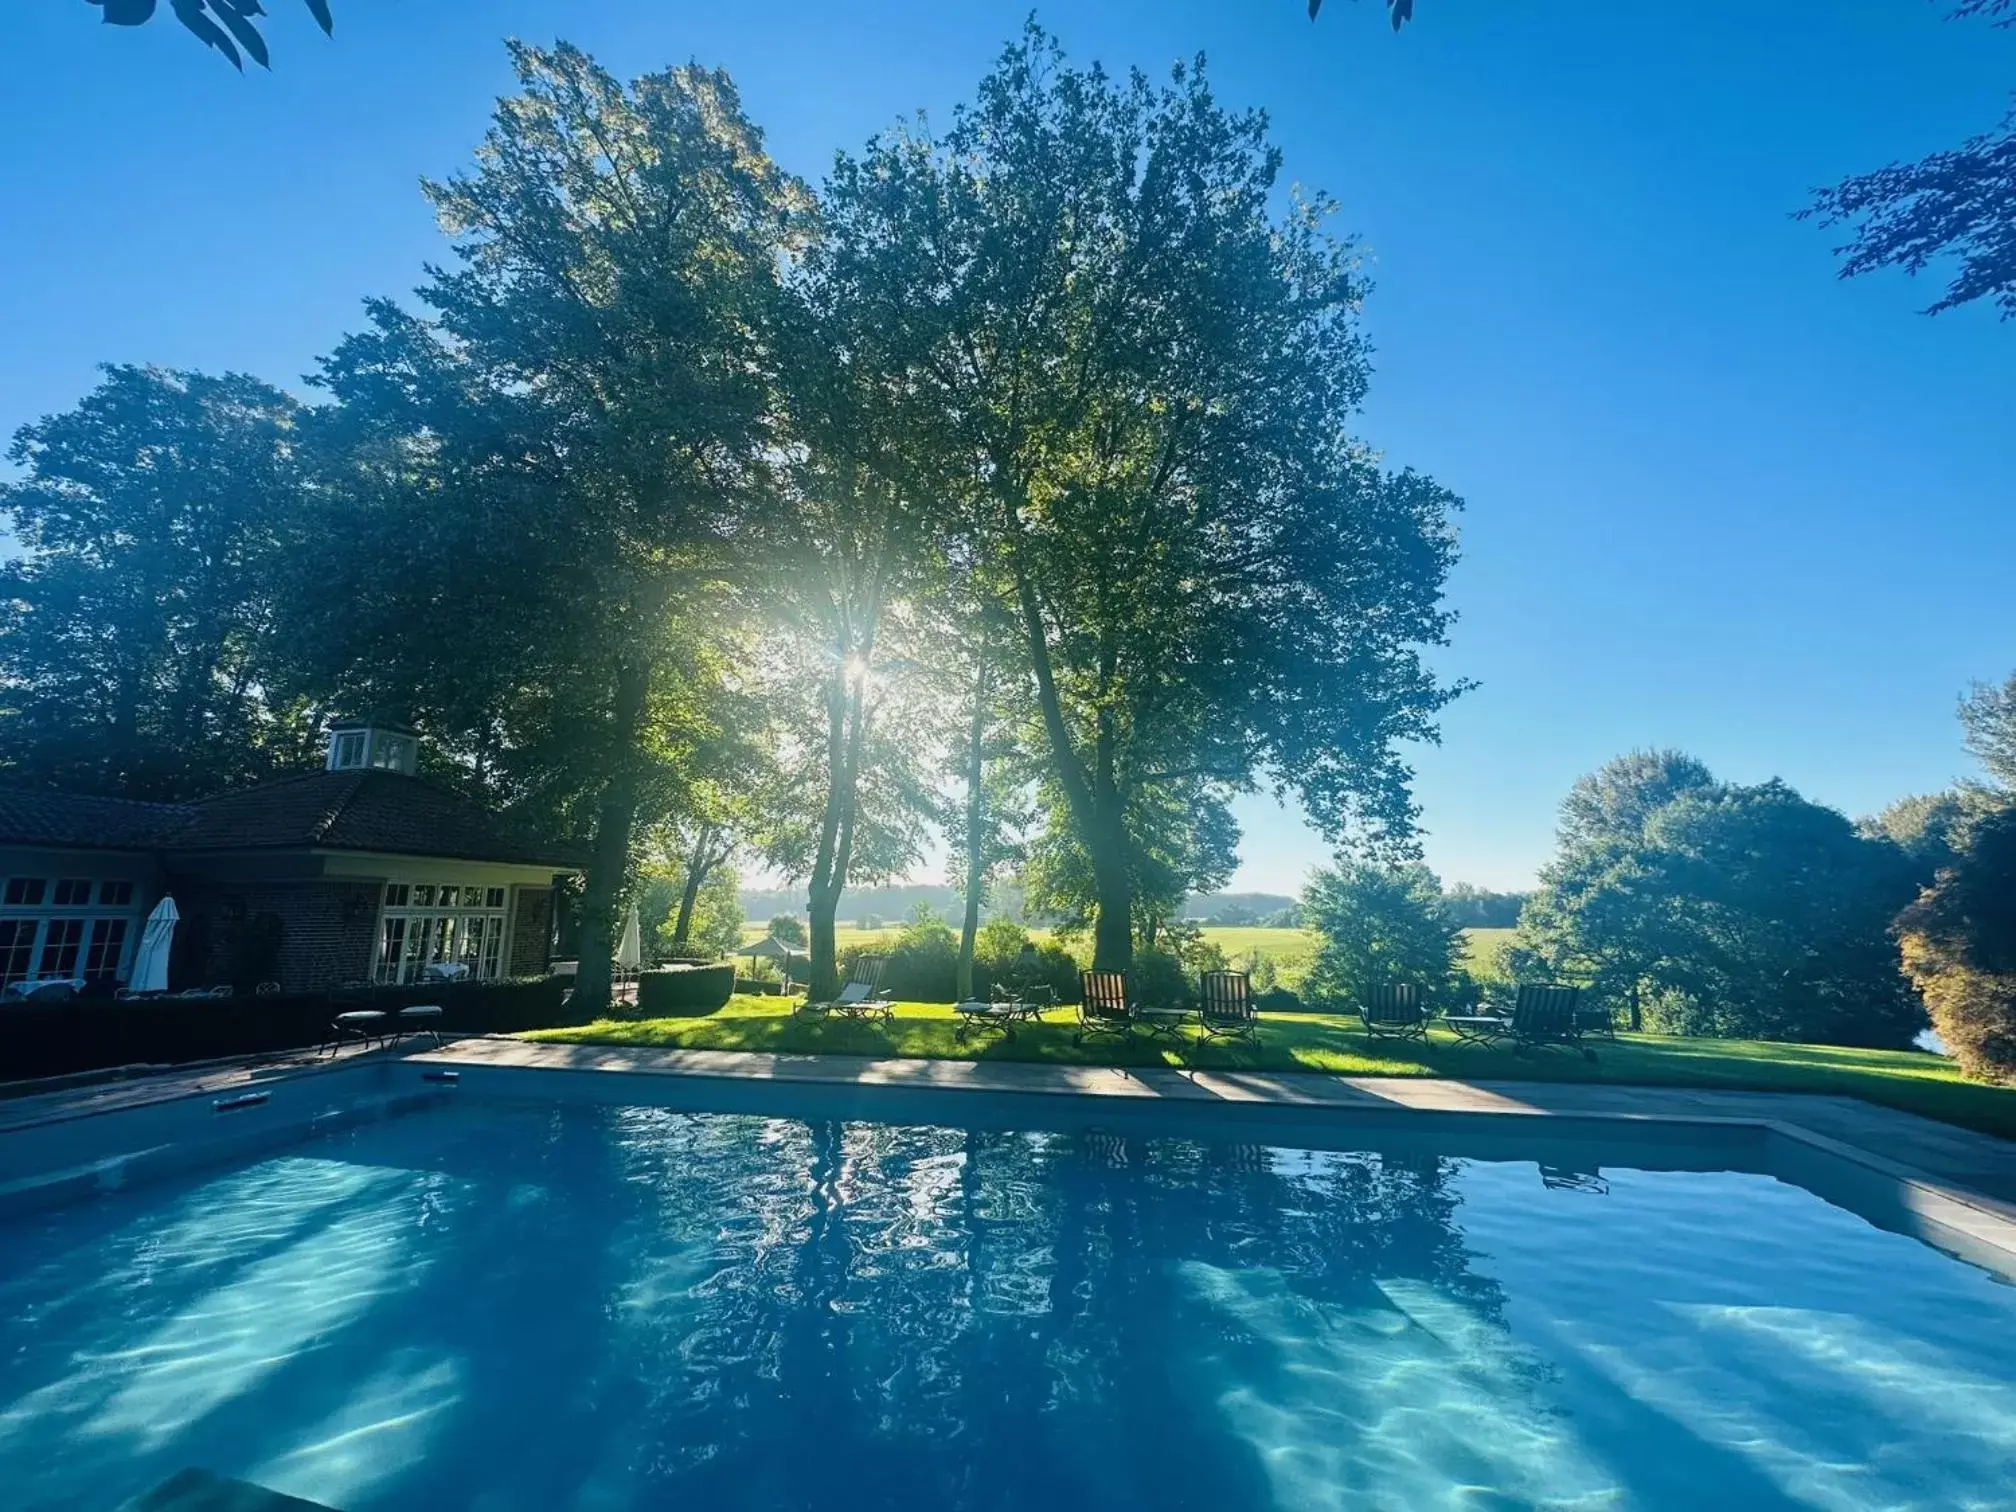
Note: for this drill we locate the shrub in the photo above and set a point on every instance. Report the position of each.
(1959, 949)
(688, 992)
(1378, 925)
(1158, 979)
(1277, 1000)
(55, 1039)
(788, 929)
(998, 946)
(924, 962)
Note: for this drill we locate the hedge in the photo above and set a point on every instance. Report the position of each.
(56, 1039)
(690, 991)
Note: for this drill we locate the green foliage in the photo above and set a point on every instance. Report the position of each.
(787, 929)
(1123, 351)
(1159, 979)
(690, 989)
(1741, 912)
(1377, 925)
(1928, 827)
(923, 962)
(1988, 712)
(715, 928)
(1959, 945)
(998, 945)
(1616, 801)
(143, 646)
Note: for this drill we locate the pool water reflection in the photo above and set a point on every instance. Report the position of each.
(513, 1306)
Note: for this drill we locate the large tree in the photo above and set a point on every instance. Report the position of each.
(1377, 925)
(141, 630)
(1959, 944)
(585, 423)
(1145, 376)
(1732, 911)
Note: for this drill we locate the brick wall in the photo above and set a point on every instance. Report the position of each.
(321, 932)
(531, 931)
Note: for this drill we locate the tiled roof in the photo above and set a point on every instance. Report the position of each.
(33, 816)
(366, 810)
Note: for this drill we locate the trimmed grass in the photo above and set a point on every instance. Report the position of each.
(1481, 947)
(1913, 1081)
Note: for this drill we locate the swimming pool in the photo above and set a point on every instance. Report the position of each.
(503, 1304)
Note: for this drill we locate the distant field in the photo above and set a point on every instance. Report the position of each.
(1481, 947)
(1289, 949)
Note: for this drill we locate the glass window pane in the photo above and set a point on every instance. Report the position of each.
(17, 943)
(73, 892)
(115, 894)
(495, 898)
(450, 896)
(397, 894)
(60, 945)
(423, 895)
(108, 944)
(24, 892)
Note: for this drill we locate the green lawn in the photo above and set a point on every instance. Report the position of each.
(1913, 1081)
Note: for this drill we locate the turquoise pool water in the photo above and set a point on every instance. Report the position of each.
(505, 1306)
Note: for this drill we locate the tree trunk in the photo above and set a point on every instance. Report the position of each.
(1113, 890)
(1095, 811)
(976, 829)
(698, 865)
(609, 857)
(1637, 1008)
(846, 730)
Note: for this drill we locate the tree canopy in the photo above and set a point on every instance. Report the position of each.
(1136, 380)
(1725, 910)
(142, 632)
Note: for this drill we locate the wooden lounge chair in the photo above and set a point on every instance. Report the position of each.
(1394, 1009)
(1541, 1015)
(862, 997)
(1225, 1005)
(1104, 1007)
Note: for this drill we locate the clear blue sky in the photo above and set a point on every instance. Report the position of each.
(1717, 499)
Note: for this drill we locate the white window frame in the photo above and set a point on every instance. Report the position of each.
(49, 926)
(413, 934)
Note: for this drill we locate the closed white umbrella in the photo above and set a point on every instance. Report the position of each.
(150, 962)
(630, 949)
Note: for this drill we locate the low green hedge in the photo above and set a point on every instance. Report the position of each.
(688, 991)
(56, 1039)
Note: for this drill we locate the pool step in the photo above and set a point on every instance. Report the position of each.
(200, 1491)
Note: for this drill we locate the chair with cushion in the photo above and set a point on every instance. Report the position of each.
(421, 1018)
(862, 997)
(360, 1024)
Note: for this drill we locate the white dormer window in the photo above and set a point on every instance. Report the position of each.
(358, 747)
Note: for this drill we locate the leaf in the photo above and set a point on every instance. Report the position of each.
(320, 10)
(242, 28)
(127, 12)
(191, 14)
